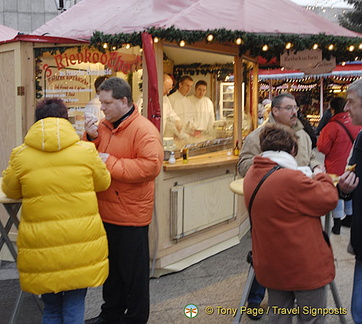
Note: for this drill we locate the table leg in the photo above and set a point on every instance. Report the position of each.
(5, 238)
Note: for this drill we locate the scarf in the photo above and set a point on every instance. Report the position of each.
(287, 161)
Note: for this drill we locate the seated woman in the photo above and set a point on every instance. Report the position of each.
(291, 256)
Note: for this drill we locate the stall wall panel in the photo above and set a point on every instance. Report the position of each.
(201, 204)
(7, 107)
(7, 122)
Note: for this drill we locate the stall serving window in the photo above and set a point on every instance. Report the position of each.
(203, 102)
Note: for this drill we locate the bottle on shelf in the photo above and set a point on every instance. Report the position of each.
(237, 148)
(172, 158)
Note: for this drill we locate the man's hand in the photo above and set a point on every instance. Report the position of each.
(91, 127)
(348, 181)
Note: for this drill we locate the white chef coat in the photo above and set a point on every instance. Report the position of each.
(183, 108)
(169, 114)
(204, 113)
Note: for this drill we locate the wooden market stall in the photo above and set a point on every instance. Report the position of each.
(313, 91)
(196, 214)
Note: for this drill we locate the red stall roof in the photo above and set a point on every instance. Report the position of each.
(114, 16)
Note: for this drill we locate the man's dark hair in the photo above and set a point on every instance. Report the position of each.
(277, 137)
(119, 87)
(54, 107)
(337, 104)
(200, 82)
(185, 77)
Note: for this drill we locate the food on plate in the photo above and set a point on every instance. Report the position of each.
(351, 167)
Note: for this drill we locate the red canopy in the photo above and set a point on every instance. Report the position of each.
(114, 16)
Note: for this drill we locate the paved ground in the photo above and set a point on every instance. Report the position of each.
(217, 282)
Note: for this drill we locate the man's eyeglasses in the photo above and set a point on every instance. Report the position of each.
(289, 108)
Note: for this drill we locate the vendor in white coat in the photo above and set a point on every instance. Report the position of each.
(171, 122)
(181, 103)
(203, 109)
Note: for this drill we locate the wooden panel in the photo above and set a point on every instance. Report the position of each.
(7, 107)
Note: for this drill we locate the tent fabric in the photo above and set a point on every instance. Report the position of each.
(114, 16)
(7, 33)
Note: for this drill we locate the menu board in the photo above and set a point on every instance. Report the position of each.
(70, 75)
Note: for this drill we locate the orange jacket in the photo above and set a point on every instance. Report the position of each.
(136, 156)
(289, 250)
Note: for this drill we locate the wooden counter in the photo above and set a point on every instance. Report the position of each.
(212, 159)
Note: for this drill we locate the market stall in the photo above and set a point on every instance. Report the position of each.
(313, 91)
(196, 214)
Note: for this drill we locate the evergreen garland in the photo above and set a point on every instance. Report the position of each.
(251, 43)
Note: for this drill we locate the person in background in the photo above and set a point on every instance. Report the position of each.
(287, 265)
(349, 186)
(261, 114)
(203, 110)
(324, 120)
(181, 103)
(57, 175)
(94, 106)
(171, 122)
(308, 128)
(283, 111)
(335, 142)
(132, 150)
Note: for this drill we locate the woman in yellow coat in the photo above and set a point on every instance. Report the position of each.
(62, 245)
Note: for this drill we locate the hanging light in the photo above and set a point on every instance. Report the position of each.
(114, 48)
(360, 46)
(105, 45)
(238, 41)
(288, 45)
(351, 48)
(182, 43)
(265, 48)
(156, 40)
(210, 37)
(331, 47)
(315, 46)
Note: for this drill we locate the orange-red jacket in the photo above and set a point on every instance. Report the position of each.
(136, 156)
(289, 250)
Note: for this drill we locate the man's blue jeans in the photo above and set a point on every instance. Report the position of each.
(257, 293)
(357, 293)
(66, 307)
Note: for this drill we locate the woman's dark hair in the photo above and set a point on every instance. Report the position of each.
(53, 107)
(277, 137)
(337, 104)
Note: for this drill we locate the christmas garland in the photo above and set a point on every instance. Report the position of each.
(268, 46)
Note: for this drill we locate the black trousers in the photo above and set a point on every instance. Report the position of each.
(126, 291)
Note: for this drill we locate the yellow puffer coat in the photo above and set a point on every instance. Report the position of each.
(62, 244)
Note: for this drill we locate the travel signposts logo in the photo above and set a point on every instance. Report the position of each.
(191, 311)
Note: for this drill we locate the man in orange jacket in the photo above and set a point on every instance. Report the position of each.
(131, 147)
